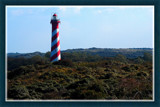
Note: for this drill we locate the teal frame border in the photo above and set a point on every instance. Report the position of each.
(156, 4)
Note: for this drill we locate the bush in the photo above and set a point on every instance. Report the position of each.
(45, 87)
(142, 74)
(22, 70)
(18, 92)
(126, 68)
(109, 78)
(65, 62)
(86, 94)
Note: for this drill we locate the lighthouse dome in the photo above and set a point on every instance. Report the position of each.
(55, 15)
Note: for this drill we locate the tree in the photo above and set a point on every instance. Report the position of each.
(47, 55)
(147, 56)
(120, 57)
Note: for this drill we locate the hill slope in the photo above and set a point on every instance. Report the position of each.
(80, 75)
(103, 52)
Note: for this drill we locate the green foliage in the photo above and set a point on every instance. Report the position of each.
(81, 56)
(18, 92)
(120, 57)
(147, 56)
(22, 70)
(47, 55)
(139, 60)
(80, 76)
(65, 62)
(86, 94)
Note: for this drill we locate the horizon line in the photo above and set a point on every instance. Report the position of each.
(84, 48)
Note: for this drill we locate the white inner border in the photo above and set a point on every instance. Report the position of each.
(121, 100)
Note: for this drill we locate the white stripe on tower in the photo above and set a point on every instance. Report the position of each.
(55, 41)
(55, 50)
(54, 32)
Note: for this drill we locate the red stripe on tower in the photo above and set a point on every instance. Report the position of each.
(55, 44)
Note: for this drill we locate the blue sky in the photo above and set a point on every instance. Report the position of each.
(29, 28)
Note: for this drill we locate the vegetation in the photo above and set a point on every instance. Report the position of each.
(103, 52)
(80, 75)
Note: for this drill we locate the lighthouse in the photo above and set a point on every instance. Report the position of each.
(55, 42)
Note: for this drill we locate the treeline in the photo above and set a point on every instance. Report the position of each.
(74, 57)
(112, 52)
(80, 75)
(103, 52)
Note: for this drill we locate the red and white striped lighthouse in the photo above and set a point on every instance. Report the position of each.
(55, 43)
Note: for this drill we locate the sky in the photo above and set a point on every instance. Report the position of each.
(29, 28)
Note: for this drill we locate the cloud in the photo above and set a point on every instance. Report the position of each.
(99, 11)
(62, 8)
(102, 10)
(111, 9)
(77, 9)
(21, 12)
(28, 11)
(71, 9)
(140, 7)
(17, 12)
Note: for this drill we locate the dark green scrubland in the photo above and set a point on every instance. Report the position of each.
(80, 75)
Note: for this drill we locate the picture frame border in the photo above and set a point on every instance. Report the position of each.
(92, 103)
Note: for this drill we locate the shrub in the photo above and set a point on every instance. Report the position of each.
(52, 95)
(22, 70)
(65, 62)
(86, 94)
(18, 92)
(141, 74)
(126, 68)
